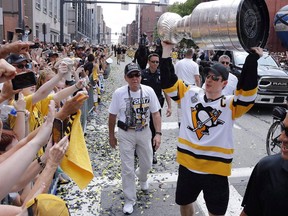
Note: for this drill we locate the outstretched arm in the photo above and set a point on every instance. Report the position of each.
(47, 87)
(64, 93)
(248, 77)
(56, 154)
(10, 173)
(15, 47)
(168, 76)
(19, 128)
(7, 71)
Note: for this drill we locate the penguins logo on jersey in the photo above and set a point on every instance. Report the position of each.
(204, 118)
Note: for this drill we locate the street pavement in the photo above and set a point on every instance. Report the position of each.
(104, 196)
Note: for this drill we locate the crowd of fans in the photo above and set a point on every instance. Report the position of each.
(55, 83)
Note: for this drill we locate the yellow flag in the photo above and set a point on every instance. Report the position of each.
(76, 163)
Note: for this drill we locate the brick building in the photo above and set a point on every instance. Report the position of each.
(149, 15)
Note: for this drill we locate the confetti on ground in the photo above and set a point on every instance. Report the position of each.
(106, 167)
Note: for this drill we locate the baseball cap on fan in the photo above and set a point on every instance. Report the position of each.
(219, 70)
(47, 204)
(16, 58)
(131, 67)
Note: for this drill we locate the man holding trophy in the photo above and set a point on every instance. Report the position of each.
(205, 143)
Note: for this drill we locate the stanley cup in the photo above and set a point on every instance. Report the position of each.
(222, 25)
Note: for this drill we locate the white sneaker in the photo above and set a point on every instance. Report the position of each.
(144, 185)
(128, 208)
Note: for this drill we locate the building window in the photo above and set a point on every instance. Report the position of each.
(45, 6)
(55, 9)
(50, 8)
(37, 31)
(38, 4)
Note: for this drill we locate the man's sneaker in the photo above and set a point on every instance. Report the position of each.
(128, 208)
(144, 185)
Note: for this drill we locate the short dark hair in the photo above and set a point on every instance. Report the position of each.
(90, 57)
(153, 54)
(189, 52)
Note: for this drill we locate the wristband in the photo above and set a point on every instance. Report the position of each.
(20, 111)
(159, 133)
(42, 164)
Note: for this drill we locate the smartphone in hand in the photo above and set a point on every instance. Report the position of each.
(57, 131)
(24, 80)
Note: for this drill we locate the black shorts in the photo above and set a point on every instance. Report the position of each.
(215, 190)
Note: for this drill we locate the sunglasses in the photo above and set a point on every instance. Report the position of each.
(213, 77)
(225, 63)
(21, 66)
(155, 62)
(133, 75)
(283, 128)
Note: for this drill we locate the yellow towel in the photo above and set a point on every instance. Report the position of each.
(76, 163)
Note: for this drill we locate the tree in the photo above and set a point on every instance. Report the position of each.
(184, 9)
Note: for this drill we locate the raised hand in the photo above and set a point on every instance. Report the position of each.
(258, 50)
(72, 105)
(7, 71)
(20, 104)
(7, 91)
(44, 132)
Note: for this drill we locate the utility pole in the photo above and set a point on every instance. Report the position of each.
(62, 2)
(20, 15)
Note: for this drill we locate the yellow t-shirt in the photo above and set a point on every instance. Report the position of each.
(95, 72)
(37, 112)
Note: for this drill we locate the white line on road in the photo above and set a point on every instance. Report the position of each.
(234, 205)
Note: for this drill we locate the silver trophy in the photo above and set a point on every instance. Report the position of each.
(222, 25)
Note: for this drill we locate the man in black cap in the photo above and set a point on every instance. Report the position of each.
(20, 62)
(205, 144)
(80, 51)
(132, 104)
(52, 57)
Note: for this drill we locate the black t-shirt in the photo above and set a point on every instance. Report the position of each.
(153, 80)
(267, 190)
(119, 50)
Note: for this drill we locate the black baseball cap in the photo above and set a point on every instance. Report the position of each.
(16, 58)
(131, 67)
(53, 54)
(219, 70)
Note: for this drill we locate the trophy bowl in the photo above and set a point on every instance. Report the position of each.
(219, 25)
(166, 27)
